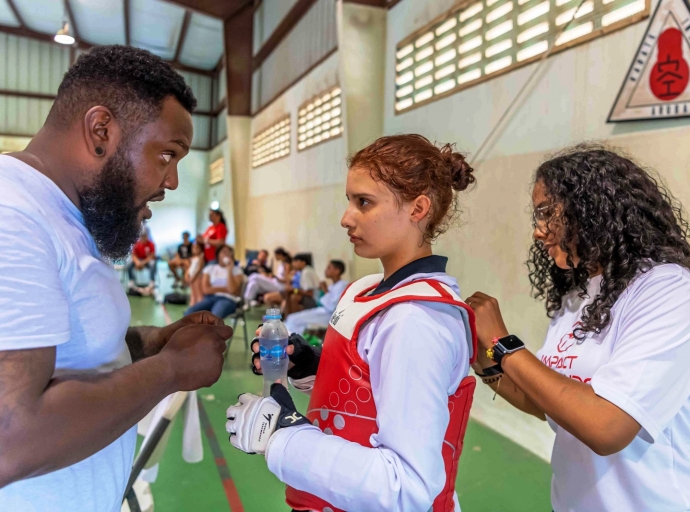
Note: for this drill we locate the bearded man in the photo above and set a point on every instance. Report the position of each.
(74, 379)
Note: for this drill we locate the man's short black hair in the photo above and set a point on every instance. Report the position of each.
(339, 265)
(303, 256)
(130, 81)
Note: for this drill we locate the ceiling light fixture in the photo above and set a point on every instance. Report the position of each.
(63, 36)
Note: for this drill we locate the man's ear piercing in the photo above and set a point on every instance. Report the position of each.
(100, 151)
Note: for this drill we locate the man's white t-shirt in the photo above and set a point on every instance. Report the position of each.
(56, 291)
(309, 279)
(218, 277)
(640, 364)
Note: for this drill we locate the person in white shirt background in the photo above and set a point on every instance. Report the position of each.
(298, 322)
(303, 296)
(611, 259)
(70, 203)
(221, 284)
(408, 359)
(260, 283)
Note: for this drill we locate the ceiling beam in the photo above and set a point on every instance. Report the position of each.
(14, 9)
(125, 9)
(220, 9)
(26, 94)
(183, 34)
(282, 30)
(72, 20)
(182, 67)
(238, 35)
(370, 3)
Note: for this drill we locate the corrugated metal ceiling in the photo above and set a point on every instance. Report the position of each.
(154, 25)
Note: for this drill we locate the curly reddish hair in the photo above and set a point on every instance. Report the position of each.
(411, 166)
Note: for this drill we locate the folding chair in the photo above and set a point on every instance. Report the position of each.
(239, 314)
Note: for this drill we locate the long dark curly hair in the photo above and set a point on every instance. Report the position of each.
(620, 220)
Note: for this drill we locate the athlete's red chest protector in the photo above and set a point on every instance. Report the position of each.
(342, 403)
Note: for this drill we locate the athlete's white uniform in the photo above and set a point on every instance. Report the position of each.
(418, 353)
(320, 315)
(258, 284)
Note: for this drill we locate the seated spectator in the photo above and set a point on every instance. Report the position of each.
(221, 283)
(181, 260)
(143, 258)
(214, 237)
(259, 264)
(192, 276)
(274, 281)
(298, 322)
(301, 291)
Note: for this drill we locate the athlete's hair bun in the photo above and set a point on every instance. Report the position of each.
(460, 170)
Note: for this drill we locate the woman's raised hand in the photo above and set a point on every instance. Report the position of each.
(488, 320)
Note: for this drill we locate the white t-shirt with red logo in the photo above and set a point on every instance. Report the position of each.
(640, 363)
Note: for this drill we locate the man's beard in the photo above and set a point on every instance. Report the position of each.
(109, 207)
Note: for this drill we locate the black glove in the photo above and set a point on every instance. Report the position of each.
(305, 358)
(289, 417)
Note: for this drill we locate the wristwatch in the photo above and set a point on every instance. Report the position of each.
(503, 346)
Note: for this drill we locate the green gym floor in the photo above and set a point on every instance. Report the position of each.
(495, 475)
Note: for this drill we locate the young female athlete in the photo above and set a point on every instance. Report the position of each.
(611, 258)
(390, 401)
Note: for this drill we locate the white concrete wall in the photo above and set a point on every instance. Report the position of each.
(183, 207)
(297, 201)
(221, 192)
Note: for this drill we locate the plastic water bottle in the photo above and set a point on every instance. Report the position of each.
(273, 342)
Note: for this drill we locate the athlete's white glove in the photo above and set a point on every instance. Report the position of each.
(254, 419)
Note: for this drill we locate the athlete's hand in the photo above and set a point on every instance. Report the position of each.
(254, 419)
(488, 321)
(195, 355)
(304, 359)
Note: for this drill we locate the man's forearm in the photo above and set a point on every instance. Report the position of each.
(77, 417)
(143, 341)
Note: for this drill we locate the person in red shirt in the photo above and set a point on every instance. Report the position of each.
(214, 236)
(143, 257)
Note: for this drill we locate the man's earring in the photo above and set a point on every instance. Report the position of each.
(100, 151)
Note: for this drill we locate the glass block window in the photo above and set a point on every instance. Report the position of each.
(320, 119)
(272, 143)
(482, 39)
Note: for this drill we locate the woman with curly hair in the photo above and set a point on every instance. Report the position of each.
(610, 257)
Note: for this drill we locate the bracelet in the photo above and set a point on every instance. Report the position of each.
(490, 380)
(490, 371)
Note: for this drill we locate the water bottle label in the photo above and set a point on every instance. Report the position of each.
(276, 352)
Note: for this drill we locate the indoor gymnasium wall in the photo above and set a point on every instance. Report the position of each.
(297, 201)
(184, 209)
(569, 104)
